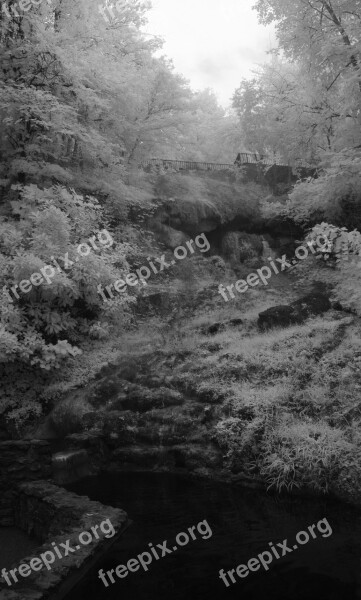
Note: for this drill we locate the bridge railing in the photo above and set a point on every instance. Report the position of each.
(187, 164)
(243, 159)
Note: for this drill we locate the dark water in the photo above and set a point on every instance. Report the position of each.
(243, 523)
(14, 545)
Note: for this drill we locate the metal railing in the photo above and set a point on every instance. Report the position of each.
(244, 159)
(187, 164)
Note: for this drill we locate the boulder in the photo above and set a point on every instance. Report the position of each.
(295, 313)
(278, 316)
(170, 237)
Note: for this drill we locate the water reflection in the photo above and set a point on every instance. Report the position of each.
(243, 523)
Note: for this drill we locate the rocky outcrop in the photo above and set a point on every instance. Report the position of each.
(168, 236)
(241, 246)
(200, 202)
(295, 313)
(20, 461)
(141, 420)
(138, 398)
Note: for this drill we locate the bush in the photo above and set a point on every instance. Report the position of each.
(302, 454)
(41, 326)
(344, 254)
(240, 439)
(335, 195)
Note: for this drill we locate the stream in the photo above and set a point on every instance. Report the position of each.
(243, 522)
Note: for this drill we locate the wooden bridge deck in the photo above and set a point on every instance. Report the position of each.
(242, 159)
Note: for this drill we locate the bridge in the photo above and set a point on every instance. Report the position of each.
(243, 158)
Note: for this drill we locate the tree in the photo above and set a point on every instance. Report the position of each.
(325, 34)
(284, 111)
(212, 134)
(323, 37)
(157, 115)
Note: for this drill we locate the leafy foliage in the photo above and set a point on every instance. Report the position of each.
(344, 254)
(303, 454)
(307, 102)
(337, 190)
(47, 326)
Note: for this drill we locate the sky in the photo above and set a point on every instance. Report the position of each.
(213, 43)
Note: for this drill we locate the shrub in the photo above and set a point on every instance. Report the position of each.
(336, 194)
(302, 454)
(37, 328)
(344, 254)
(240, 439)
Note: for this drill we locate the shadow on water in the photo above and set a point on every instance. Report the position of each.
(243, 523)
(14, 545)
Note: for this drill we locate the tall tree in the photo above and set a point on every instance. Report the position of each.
(318, 90)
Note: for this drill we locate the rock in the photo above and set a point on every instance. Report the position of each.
(121, 423)
(52, 514)
(295, 313)
(220, 326)
(142, 399)
(242, 246)
(235, 322)
(193, 457)
(203, 201)
(213, 329)
(170, 237)
(278, 316)
(118, 402)
(312, 304)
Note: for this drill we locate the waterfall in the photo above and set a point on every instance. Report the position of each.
(267, 250)
(70, 466)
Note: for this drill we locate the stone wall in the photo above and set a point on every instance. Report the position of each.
(53, 514)
(50, 514)
(20, 461)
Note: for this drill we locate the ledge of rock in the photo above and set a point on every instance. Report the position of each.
(295, 313)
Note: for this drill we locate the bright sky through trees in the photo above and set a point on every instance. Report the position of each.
(214, 43)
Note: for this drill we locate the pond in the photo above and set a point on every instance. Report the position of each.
(14, 545)
(243, 523)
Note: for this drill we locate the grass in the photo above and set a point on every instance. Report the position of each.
(289, 399)
(303, 453)
(286, 404)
